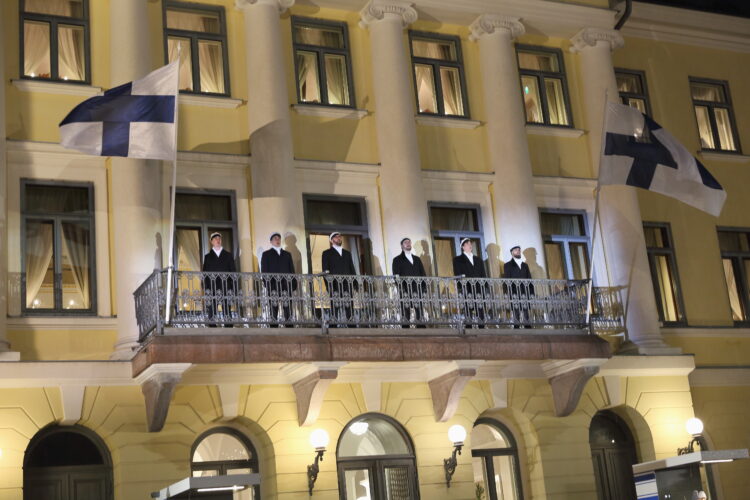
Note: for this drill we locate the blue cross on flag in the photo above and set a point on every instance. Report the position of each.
(638, 152)
(136, 120)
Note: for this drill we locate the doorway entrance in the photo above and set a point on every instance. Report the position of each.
(613, 455)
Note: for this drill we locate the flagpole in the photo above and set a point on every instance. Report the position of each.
(173, 199)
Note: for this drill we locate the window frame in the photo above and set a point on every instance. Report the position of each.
(457, 235)
(624, 96)
(671, 254)
(486, 454)
(253, 463)
(743, 285)
(436, 64)
(540, 76)
(57, 220)
(54, 21)
(194, 36)
(710, 105)
(566, 240)
(320, 53)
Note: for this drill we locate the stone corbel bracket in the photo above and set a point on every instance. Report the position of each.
(310, 383)
(157, 383)
(568, 379)
(446, 390)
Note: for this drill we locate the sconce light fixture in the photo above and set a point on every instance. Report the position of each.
(694, 426)
(457, 436)
(319, 440)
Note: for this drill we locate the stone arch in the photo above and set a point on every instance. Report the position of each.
(639, 429)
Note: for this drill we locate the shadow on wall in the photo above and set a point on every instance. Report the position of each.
(426, 257)
(494, 261)
(234, 147)
(290, 245)
(537, 271)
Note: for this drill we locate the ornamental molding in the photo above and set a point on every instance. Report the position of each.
(282, 5)
(375, 10)
(589, 37)
(486, 24)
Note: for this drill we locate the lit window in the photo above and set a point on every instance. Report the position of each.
(494, 460)
(663, 264)
(713, 111)
(543, 85)
(450, 223)
(631, 85)
(735, 259)
(566, 245)
(224, 452)
(438, 74)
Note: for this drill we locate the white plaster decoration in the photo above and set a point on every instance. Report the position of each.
(589, 37)
(72, 403)
(445, 121)
(648, 366)
(47, 87)
(372, 390)
(725, 157)
(209, 101)
(329, 111)
(376, 10)
(573, 133)
(615, 394)
(282, 5)
(230, 399)
(158, 383)
(499, 390)
(488, 23)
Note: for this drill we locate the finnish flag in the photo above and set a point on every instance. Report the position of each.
(136, 120)
(638, 152)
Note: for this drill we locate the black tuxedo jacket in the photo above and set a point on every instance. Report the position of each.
(224, 262)
(511, 270)
(463, 266)
(338, 264)
(273, 262)
(402, 267)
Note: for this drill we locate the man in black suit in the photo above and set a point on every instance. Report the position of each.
(408, 265)
(519, 293)
(338, 261)
(278, 261)
(218, 286)
(468, 265)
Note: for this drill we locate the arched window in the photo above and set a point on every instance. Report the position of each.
(375, 459)
(60, 460)
(494, 458)
(225, 451)
(613, 454)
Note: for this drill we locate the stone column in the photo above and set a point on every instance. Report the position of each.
(5, 352)
(276, 202)
(404, 205)
(136, 184)
(621, 227)
(516, 212)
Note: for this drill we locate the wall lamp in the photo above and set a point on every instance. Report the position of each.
(319, 440)
(457, 436)
(694, 426)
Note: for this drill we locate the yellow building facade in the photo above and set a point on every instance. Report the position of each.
(420, 116)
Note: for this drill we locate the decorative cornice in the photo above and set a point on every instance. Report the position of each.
(281, 4)
(486, 24)
(589, 37)
(375, 10)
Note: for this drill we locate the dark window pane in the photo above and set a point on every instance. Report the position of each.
(656, 237)
(538, 61)
(193, 20)
(66, 8)
(64, 449)
(321, 36)
(203, 207)
(733, 241)
(563, 224)
(333, 213)
(56, 199)
(443, 50)
(454, 219)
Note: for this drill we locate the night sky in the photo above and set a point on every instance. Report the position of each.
(730, 7)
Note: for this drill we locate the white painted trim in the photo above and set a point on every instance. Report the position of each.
(47, 87)
(230, 401)
(161, 368)
(648, 366)
(372, 390)
(28, 374)
(450, 175)
(369, 169)
(72, 403)
(724, 157)
(720, 377)
(61, 323)
(449, 122)
(742, 333)
(209, 101)
(554, 131)
(560, 367)
(499, 390)
(329, 111)
(615, 394)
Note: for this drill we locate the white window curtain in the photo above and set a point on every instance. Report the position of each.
(38, 257)
(449, 79)
(77, 245)
(188, 249)
(36, 49)
(210, 54)
(451, 84)
(336, 79)
(70, 41)
(307, 76)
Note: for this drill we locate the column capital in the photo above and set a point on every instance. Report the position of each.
(282, 5)
(588, 37)
(486, 24)
(375, 10)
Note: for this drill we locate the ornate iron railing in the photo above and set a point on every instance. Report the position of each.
(390, 302)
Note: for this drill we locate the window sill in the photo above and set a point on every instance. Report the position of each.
(554, 131)
(729, 156)
(444, 121)
(62, 323)
(27, 85)
(209, 101)
(329, 111)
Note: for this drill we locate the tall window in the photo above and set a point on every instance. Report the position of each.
(347, 215)
(197, 215)
(613, 455)
(375, 460)
(735, 258)
(566, 245)
(545, 91)
(224, 451)
(632, 87)
(55, 40)
(450, 223)
(322, 62)
(713, 111)
(661, 260)
(200, 32)
(494, 459)
(438, 74)
(58, 250)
